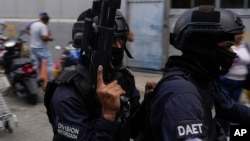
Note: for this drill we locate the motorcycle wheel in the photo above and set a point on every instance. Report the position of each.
(7, 127)
(33, 99)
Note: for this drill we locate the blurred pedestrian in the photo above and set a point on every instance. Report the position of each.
(27, 27)
(233, 82)
(39, 38)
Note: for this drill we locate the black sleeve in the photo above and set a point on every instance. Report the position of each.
(72, 121)
(227, 109)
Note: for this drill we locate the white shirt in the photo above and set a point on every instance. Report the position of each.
(238, 70)
(37, 30)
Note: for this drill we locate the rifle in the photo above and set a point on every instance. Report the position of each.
(100, 52)
(100, 32)
(106, 11)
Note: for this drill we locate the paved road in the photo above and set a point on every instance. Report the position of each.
(33, 124)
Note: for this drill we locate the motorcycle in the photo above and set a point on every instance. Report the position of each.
(67, 60)
(21, 71)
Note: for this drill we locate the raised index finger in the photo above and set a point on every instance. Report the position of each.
(100, 76)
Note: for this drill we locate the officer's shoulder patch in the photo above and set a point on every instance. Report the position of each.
(68, 130)
(190, 129)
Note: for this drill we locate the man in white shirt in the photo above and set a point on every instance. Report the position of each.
(39, 38)
(41, 14)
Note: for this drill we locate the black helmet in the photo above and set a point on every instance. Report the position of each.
(121, 26)
(121, 29)
(218, 23)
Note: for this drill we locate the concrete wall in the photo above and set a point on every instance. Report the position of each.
(58, 9)
(147, 18)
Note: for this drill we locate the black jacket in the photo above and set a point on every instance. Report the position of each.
(185, 107)
(73, 117)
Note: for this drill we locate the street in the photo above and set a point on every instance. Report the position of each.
(33, 124)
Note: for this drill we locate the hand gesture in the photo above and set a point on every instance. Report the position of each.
(108, 95)
(149, 87)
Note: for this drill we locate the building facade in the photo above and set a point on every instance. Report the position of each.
(150, 20)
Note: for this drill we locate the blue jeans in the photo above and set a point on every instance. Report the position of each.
(38, 54)
(232, 88)
(1, 62)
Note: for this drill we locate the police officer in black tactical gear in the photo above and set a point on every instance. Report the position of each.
(188, 99)
(83, 114)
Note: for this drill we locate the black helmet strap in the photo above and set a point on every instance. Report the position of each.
(128, 53)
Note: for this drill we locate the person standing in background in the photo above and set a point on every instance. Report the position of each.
(27, 27)
(39, 38)
(233, 82)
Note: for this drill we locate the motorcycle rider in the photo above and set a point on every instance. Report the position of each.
(67, 60)
(204, 34)
(71, 110)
